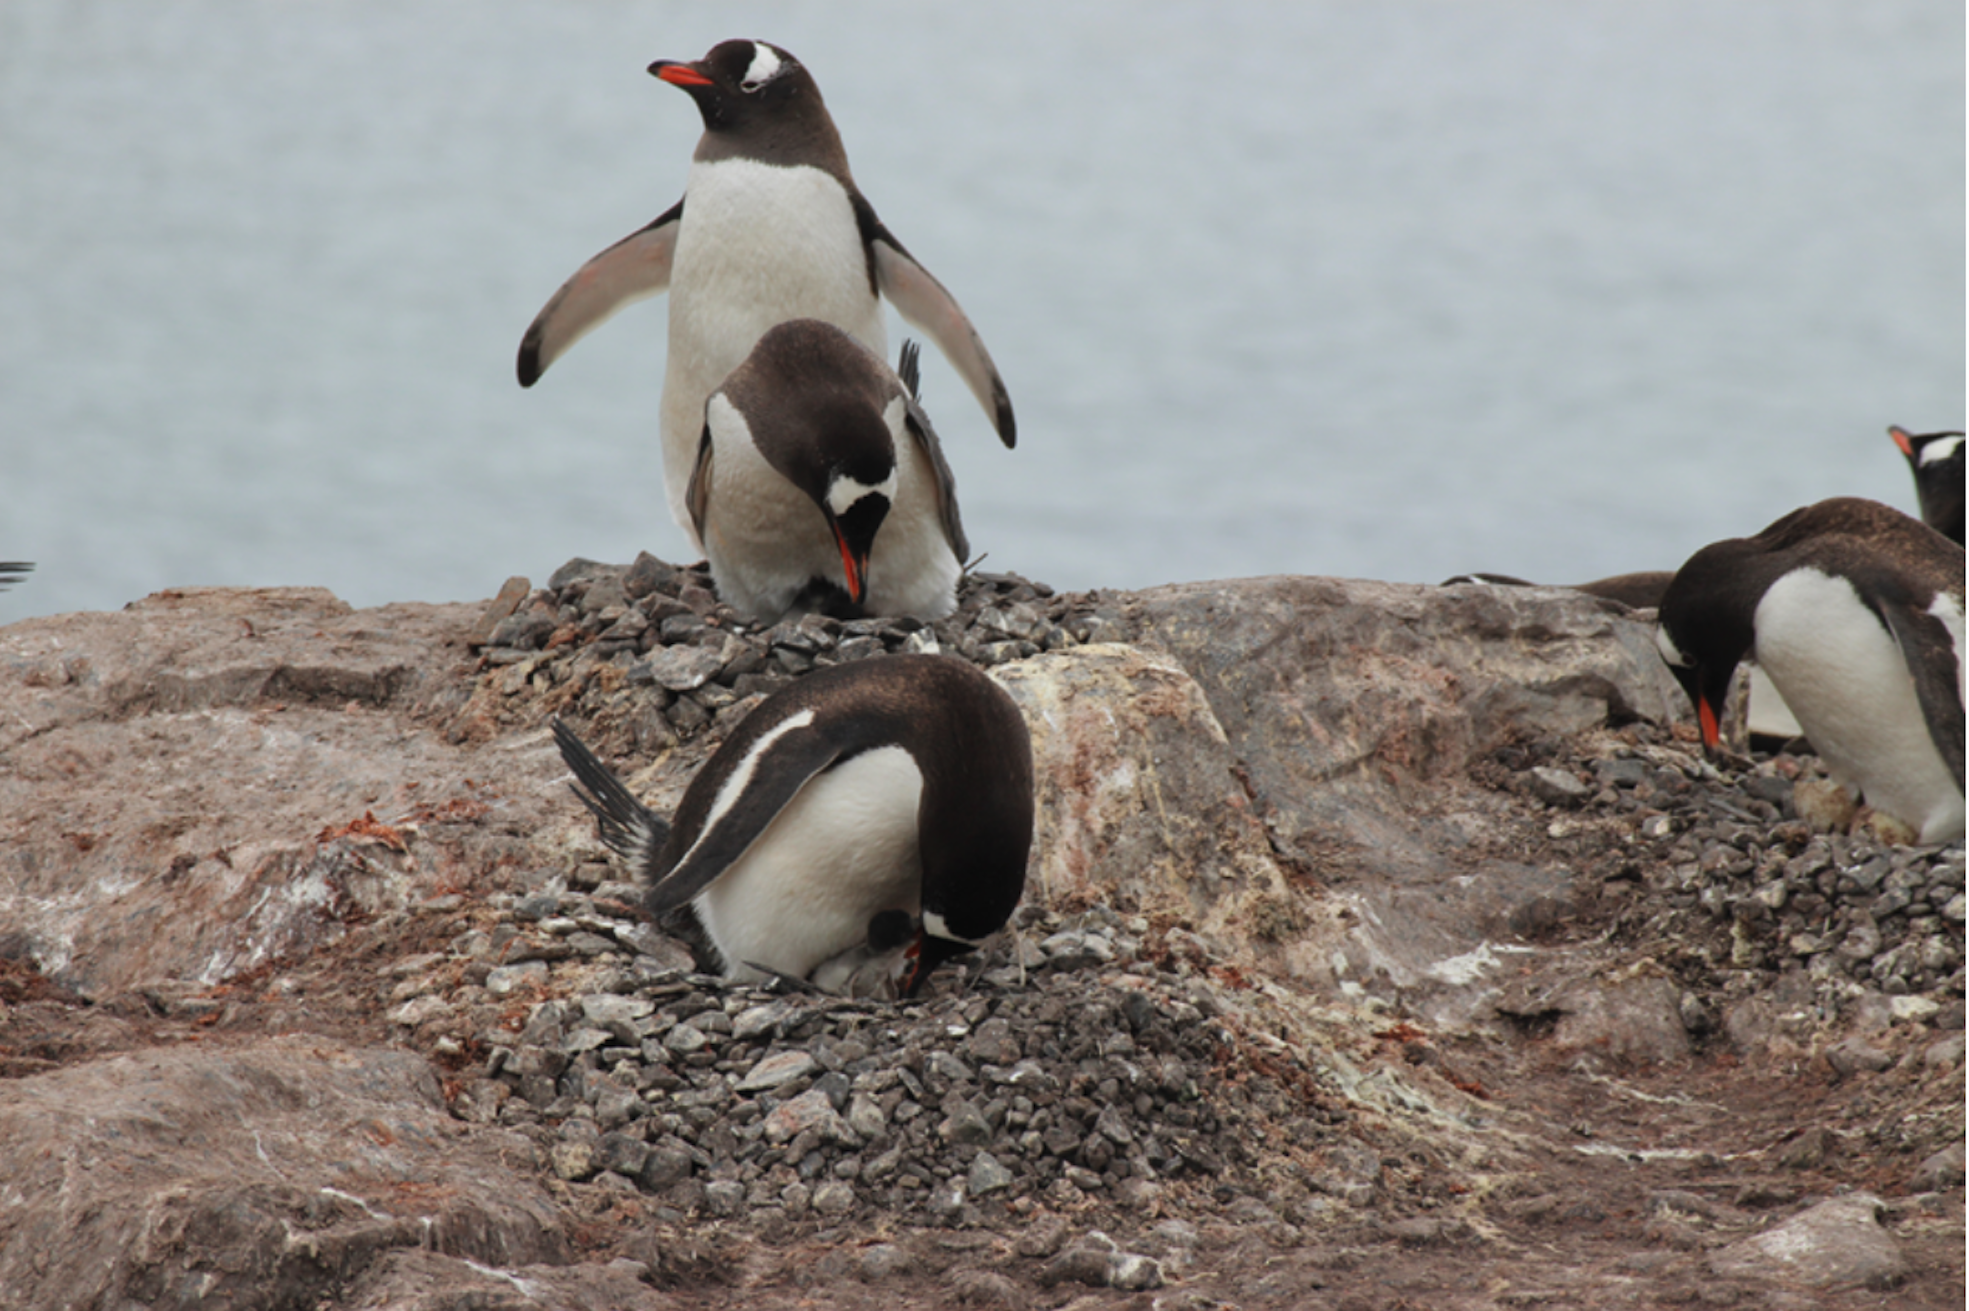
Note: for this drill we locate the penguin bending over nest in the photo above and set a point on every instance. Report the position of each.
(862, 825)
(1855, 613)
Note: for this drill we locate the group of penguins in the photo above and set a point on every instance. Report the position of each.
(874, 818)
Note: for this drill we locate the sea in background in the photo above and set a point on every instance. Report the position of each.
(1558, 288)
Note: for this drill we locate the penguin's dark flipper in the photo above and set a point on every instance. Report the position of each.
(1929, 651)
(633, 268)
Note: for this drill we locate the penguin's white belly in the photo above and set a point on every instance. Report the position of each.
(757, 245)
(804, 891)
(1845, 680)
(912, 570)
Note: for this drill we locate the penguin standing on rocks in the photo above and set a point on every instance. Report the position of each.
(898, 786)
(1854, 611)
(820, 485)
(1936, 459)
(771, 227)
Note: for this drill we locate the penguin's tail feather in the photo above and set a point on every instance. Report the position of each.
(909, 367)
(628, 828)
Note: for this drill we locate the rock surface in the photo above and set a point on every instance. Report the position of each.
(1363, 919)
(1837, 1244)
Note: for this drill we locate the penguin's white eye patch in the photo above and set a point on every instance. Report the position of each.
(1943, 448)
(1669, 651)
(845, 490)
(764, 68)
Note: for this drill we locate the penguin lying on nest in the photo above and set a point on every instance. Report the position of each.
(862, 825)
(1854, 611)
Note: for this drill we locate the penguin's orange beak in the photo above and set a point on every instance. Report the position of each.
(676, 74)
(854, 566)
(1712, 731)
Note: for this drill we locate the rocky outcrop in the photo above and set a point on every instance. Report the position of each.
(356, 1011)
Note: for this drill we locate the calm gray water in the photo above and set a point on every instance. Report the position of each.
(1395, 290)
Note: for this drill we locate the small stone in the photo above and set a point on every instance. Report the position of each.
(865, 1117)
(1854, 1055)
(573, 1159)
(648, 574)
(1078, 1265)
(684, 1039)
(1073, 949)
(1836, 1244)
(835, 1197)
(1940, 1172)
(667, 1163)
(414, 1012)
(758, 1021)
(947, 1199)
(505, 980)
(724, 1196)
(621, 1153)
(810, 1110)
(987, 1175)
(965, 1126)
(617, 1106)
(1133, 1272)
(1045, 1235)
(603, 1009)
(1808, 1151)
(1918, 1010)
(776, 1070)
(1557, 787)
(884, 1261)
(1824, 805)
(984, 1288)
(1416, 1231)
(683, 668)
(1944, 1055)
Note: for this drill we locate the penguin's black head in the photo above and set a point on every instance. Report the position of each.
(741, 83)
(1706, 628)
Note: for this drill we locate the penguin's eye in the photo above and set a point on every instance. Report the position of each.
(763, 69)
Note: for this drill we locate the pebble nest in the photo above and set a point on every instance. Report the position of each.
(1091, 1057)
(651, 657)
(1723, 862)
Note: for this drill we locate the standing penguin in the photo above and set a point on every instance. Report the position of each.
(1854, 611)
(820, 484)
(771, 227)
(1936, 460)
(898, 785)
